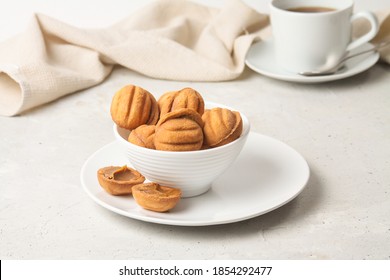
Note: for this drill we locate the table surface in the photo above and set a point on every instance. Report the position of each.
(342, 128)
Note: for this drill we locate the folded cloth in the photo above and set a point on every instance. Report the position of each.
(168, 39)
(362, 26)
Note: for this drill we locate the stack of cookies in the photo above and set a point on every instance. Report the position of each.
(178, 121)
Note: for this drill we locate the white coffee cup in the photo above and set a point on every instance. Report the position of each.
(306, 41)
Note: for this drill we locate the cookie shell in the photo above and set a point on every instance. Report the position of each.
(180, 130)
(143, 136)
(221, 126)
(186, 98)
(133, 106)
(117, 180)
(154, 197)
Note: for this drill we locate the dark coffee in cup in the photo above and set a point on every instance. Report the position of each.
(311, 9)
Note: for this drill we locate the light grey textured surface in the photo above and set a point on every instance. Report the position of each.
(342, 128)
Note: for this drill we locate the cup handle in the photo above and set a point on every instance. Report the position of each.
(369, 35)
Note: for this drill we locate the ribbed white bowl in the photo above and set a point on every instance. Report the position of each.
(192, 172)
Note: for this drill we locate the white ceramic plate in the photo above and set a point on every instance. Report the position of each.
(266, 175)
(261, 59)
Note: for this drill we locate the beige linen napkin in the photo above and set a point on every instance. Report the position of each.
(168, 39)
(383, 34)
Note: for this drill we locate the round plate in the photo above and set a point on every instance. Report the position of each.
(266, 175)
(261, 59)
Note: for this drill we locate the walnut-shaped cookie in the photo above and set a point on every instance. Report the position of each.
(185, 98)
(180, 130)
(117, 180)
(143, 136)
(133, 106)
(221, 126)
(154, 197)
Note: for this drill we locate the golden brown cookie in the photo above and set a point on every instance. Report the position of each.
(133, 106)
(118, 180)
(180, 130)
(185, 98)
(154, 197)
(143, 136)
(221, 126)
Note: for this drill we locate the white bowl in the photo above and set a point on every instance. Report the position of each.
(194, 171)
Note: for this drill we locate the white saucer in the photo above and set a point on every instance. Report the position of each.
(261, 59)
(266, 175)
